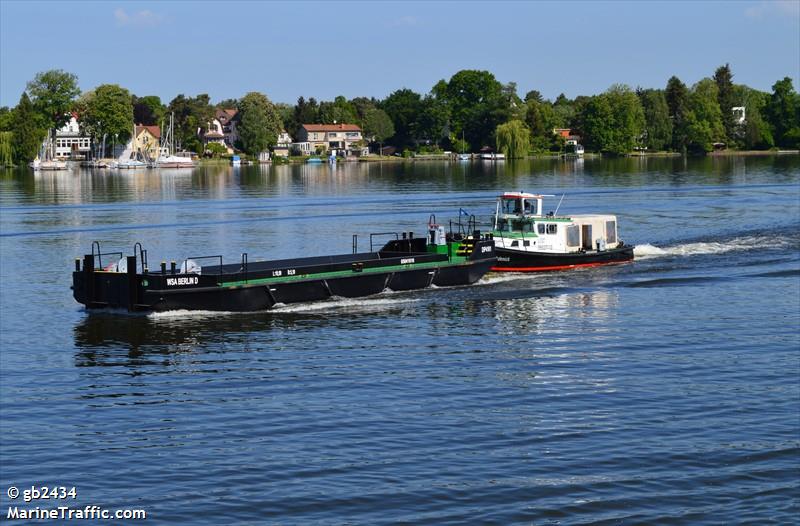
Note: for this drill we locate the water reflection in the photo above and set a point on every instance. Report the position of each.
(215, 181)
(547, 314)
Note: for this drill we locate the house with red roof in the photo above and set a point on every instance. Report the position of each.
(325, 137)
(147, 140)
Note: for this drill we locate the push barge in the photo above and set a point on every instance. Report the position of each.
(526, 240)
(402, 264)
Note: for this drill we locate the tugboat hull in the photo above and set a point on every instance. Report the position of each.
(528, 261)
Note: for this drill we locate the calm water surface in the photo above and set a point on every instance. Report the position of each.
(666, 391)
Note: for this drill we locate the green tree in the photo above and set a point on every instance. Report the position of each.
(754, 133)
(724, 80)
(597, 122)
(783, 113)
(216, 149)
(362, 105)
(540, 119)
(6, 118)
(227, 104)
(6, 148)
(338, 111)
(53, 94)
(677, 96)
(614, 121)
(28, 131)
(704, 118)
(148, 110)
(109, 110)
(286, 113)
(378, 126)
(433, 122)
(513, 139)
(564, 112)
(658, 126)
(192, 115)
(534, 95)
(259, 123)
(404, 107)
(305, 112)
(478, 103)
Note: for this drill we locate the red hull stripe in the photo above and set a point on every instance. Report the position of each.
(555, 267)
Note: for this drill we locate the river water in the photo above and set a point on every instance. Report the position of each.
(666, 391)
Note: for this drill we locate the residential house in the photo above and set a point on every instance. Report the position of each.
(222, 129)
(214, 134)
(330, 137)
(147, 140)
(283, 145)
(70, 142)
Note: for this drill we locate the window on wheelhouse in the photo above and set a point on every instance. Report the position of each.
(611, 231)
(511, 206)
(573, 236)
(503, 225)
(540, 228)
(523, 226)
(552, 228)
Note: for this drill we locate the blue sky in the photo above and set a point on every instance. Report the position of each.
(288, 49)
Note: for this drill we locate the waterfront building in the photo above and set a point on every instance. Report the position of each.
(283, 145)
(70, 142)
(222, 129)
(335, 136)
(147, 141)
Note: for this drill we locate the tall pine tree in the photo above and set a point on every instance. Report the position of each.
(28, 131)
(678, 102)
(724, 79)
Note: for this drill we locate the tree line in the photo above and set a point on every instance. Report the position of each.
(469, 111)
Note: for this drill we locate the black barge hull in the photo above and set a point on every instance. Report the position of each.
(525, 261)
(401, 265)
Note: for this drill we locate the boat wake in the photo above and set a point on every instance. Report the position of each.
(647, 251)
(185, 313)
(338, 303)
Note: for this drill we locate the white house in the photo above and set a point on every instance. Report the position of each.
(70, 142)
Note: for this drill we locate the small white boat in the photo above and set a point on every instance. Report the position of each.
(493, 157)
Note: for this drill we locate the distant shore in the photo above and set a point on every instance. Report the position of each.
(397, 159)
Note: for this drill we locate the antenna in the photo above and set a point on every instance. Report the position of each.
(559, 204)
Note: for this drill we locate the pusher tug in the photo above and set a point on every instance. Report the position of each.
(526, 240)
(404, 263)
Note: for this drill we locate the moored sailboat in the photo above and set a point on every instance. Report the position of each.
(166, 157)
(46, 159)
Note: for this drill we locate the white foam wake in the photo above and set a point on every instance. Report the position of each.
(350, 304)
(701, 248)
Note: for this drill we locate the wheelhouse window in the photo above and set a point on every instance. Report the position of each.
(515, 243)
(573, 236)
(540, 228)
(552, 228)
(611, 231)
(511, 206)
(523, 226)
